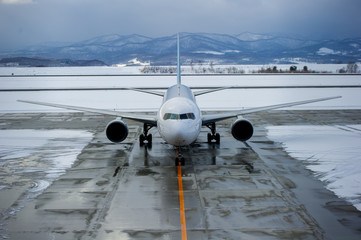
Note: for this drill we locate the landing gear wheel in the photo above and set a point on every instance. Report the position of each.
(179, 161)
(145, 136)
(218, 138)
(182, 161)
(141, 139)
(149, 139)
(209, 138)
(213, 136)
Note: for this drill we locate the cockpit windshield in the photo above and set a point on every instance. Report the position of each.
(182, 116)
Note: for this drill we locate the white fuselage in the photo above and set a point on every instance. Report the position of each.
(179, 119)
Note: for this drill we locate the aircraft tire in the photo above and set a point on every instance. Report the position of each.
(179, 162)
(141, 139)
(209, 138)
(149, 138)
(218, 138)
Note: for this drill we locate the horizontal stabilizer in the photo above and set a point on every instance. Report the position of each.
(158, 93)
(209, 91)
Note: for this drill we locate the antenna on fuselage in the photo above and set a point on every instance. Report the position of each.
(178, 66)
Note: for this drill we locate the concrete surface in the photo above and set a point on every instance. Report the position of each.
(233, 190)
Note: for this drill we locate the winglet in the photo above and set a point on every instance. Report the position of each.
(178, 66)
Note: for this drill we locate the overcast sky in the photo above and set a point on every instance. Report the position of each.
(26, 22)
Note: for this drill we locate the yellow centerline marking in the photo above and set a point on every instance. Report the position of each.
(181, 204)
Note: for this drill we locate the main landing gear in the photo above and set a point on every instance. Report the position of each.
(179, 160)
(145, 136)
(213, 136)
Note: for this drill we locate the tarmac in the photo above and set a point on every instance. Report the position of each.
(231, 190)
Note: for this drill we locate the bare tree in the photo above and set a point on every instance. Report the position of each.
(352, 67)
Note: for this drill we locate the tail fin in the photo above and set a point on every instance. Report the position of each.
(178, 66)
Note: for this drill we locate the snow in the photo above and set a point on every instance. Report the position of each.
(332, 153)
(217, 53)
(49, 152)
(327, 51)
(252, 37)
(232, 51)
(209, 52)
(227, 99)
(135, 61)
(20, 144)
(355, 45)
(123, 69)
(103, 70)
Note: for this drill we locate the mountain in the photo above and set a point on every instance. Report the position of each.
(43, 62)
(245, 48)
(247, 36)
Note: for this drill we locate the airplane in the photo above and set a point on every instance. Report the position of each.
(179, 119)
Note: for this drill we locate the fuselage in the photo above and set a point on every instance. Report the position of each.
(179, 119)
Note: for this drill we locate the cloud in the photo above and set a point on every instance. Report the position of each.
(14, 2)
(26, 22)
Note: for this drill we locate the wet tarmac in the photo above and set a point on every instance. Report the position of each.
(233, 190)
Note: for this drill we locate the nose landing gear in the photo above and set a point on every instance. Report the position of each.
(145, 136)
(179, 160)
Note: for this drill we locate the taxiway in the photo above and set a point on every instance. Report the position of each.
(233, 190)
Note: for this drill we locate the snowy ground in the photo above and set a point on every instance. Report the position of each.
(186, 69)
(135, 101)
(333, 153)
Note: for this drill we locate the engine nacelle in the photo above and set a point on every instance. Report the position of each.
(116, 131)
(242, 129)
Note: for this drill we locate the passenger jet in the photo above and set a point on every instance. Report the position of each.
(179, 119)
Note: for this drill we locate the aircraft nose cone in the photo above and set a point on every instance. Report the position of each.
(181, 137)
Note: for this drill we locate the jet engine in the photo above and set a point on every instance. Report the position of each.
(242, 129)
(117, 130)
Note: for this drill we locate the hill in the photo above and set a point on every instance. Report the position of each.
(245, 48)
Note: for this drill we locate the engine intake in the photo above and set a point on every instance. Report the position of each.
(117, 131)
(242, 129)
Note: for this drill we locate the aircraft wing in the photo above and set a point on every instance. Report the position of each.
(206, 119)
(150, 119)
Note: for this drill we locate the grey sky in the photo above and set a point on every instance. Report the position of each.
(25, 22)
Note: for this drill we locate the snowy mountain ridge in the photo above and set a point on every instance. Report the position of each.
(244, 48)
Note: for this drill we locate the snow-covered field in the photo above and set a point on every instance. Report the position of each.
(186, 69)
(129, 100)
(332, 153)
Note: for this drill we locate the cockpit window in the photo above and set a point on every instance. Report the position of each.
(183, 116)
(191, 116)
(176, 116)
(167, 116)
